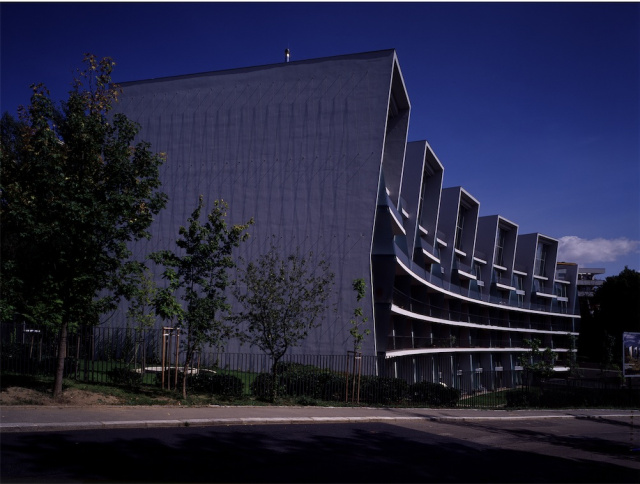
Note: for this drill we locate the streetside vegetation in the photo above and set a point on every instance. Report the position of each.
(616, 310)
(309, 385)
(537, 365)
(198, 276)
(76, 189)
(359, 320)
(280, 301)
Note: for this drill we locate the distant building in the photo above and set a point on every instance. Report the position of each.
(587, 286)
(316, 151)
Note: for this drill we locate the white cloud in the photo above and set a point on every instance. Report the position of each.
(586, 251)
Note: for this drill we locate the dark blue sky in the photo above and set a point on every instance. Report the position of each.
(534, 108)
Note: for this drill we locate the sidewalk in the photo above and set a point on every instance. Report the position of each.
(46, 419)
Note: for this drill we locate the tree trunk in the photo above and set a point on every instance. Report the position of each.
(62, 354)
(187, 365)
(274, 376)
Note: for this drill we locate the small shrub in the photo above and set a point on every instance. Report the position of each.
(217, 384)
(299, 380)
(214, 384)
(434, 394)
(262, 387)
(382, 390)
(332, 386)
(125, 377)
(309, 402)
(520, 398)
(562, 397)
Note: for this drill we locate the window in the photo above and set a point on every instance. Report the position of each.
(538, 285)
(561, 292)
(563, 306)
(459, 228)
(476, 270)
(520, 290)
(498, 256)
(541, 259)
(423, 191)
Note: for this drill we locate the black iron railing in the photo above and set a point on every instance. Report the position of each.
(128, 357)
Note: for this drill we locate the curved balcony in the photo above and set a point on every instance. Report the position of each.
(406, 345)
(462, 318)
(434, 279)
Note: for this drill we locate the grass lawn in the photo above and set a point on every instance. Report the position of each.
(144, 395)
(497, 399)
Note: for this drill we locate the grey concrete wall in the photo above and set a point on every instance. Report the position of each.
(296, 146)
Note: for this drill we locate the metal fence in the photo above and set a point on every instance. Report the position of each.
(141, 358)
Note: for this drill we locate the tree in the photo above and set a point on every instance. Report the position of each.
(358, 320)
(358, 316)
(76, 190)
(141, 292)
(198, 276)
(618, 311)
(538, 363)
(281, 300)
(137, 285)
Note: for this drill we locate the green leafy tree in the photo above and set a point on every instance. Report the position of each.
(281, 300)
(538, 364)
(608, 352)
(197, 278)
(618, 311)
(142, 293)
(359, 286)
(357, 322)
(76, 190)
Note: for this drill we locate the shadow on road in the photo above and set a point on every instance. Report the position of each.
(286, 453)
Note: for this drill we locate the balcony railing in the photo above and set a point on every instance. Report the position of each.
(423, 308)
(408, 342)
(435, 277)
(413, 342)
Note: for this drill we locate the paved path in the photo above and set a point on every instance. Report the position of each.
(49, 418)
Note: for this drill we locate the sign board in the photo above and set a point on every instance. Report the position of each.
(631, 354)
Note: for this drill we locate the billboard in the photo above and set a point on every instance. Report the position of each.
(631, 354)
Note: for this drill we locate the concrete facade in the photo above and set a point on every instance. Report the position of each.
(317, 153)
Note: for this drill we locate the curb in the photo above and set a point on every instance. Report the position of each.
(132, 424)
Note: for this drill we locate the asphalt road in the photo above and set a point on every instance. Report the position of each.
(544, 450)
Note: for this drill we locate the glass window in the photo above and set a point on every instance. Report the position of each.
(459, 228)
(561, 290)
(541, 259)
(520, 288)
(423, 191)
(498, 256)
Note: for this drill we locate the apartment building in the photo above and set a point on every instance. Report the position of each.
(316, 151)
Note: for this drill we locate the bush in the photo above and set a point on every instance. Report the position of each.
(307, 401)
(332, 386)
(559, 397)
(125, 377)
(433, 394)
(382, 390)
(214, 384)
(262, 387)
(304, 382)
(299, 380)
(217, 384)
(520, 398)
